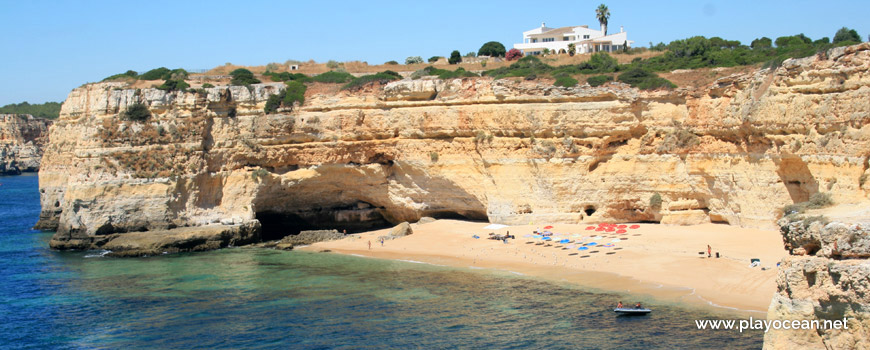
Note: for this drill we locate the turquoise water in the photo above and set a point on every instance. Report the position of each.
(268, 299)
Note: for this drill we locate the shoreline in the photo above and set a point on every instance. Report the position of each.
(655, 260)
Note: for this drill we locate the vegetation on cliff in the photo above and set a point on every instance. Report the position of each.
(443, 73)
(294, 94)
(136, 112)
(48, 110)
(243, 76)
(381, 78)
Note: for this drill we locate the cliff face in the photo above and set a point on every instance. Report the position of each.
(827, 279)
(22, 139)
(503, 151)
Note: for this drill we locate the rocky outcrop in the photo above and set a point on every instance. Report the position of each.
(506, 151)
(399, 231)
(22, 139)
(828, 279)
(311, 237)
(185, 239)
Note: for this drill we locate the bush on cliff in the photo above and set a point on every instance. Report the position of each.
(287, 76)
(155, 74)
(333, 77)
(492, 48)
(126, 75)
(413, 60)
(443, 73)
(174, 85)
(380, 78)
(598, 80)
(48, 110)
(513, 54)
(455, 57)
(294, 93)
(645, 80)
(243, 76)
(817, 200)
(565, 81)
(655, 201)
(136, 112)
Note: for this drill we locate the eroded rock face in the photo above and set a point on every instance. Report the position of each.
(826, 279)
(496, 150)
(22, 139)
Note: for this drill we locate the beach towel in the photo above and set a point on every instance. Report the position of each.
(495, 226)
(476, 236)
(582, 248)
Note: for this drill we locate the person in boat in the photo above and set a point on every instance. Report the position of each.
(637, 306)
(619, 305)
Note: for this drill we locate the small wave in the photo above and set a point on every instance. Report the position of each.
(359, 255)
(98, 254)
(412, 261)
(517, 273)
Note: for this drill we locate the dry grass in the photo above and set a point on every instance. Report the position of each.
(704, 76)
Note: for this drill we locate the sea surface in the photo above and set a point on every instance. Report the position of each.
(251, 298)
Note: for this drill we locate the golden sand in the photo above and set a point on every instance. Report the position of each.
(657, 260)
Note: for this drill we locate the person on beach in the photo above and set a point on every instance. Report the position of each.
(637, 306)
(619, 305)
(382, 241)
(370, 245)
(709, 251)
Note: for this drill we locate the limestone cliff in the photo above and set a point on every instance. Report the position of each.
(828, 278)
(22, 138)
(499, 150)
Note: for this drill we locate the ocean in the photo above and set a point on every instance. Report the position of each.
(254, 298)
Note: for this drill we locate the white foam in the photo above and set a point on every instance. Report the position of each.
(99, 254)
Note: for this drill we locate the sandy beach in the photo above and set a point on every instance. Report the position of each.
(657, 260)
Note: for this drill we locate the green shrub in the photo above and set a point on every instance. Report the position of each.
(392, 63)
(433, 156)
(565, 81)
(598, 80)
(492, 48)
(655, 201)
(434, 59)
(156, 74)
(48, 110)
(761, 43)
(333, 77)
(243, 76)
(820, 200)
(287, 76)
(846, 35)
(381, 78)
(644, 80)
(601, 62)
(136, 112)
(126, 75)
(455, 57)
(294, 92)
(471, 54)
(332, 64)
(414, 60)
(174, 85)
(443, 73)
(207, 86)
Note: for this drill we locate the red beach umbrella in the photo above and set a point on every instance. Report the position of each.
(622, 226)
(599, 229)
(634, 227)
(548, 227)
(621, 231)
(590, 228)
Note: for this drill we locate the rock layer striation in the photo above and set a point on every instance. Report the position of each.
(502, 151)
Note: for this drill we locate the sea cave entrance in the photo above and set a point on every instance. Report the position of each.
(352, 218)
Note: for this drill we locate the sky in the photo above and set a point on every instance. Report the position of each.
(51, 47)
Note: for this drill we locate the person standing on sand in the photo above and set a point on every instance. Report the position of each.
(370, 245)
(382, 241)
(709, 251)
(619, 305)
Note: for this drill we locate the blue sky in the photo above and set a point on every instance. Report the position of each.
(51, 47)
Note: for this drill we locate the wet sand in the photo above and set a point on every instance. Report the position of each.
(657, 260)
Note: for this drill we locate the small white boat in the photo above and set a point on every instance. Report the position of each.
(631, 311)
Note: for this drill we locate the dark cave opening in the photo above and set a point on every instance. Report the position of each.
(350, 219)
(589, 210)
(453, 215)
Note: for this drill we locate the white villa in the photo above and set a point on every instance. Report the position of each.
(585, 40)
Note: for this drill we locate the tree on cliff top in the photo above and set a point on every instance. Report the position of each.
(455, 57)
(846, 34)
(49, 110)
(243, 76)
(492, 48)
(602, 13)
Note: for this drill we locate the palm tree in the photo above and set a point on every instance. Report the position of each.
(602, 13)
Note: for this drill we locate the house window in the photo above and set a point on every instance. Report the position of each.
(586, 36)
(565, 38)
(548, 40)
(534, 40)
